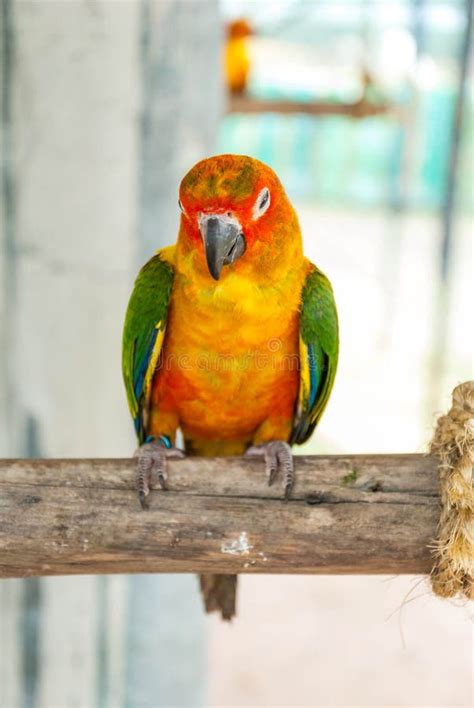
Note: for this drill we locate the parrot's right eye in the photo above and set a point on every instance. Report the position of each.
(262, 203)
(181, 206)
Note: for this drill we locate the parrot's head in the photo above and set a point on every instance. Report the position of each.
(236, 215)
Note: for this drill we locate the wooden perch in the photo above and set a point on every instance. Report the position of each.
(363, 108)
(352, 514)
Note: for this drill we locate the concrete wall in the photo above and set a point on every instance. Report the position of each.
(104, 106)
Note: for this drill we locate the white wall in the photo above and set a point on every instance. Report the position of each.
(107, 101)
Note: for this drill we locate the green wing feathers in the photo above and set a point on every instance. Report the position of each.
(319, 347)
(143, 335)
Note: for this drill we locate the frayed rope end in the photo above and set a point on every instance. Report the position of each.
(453, 444)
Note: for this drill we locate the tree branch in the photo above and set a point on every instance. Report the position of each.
(350, 514)
(362, 108)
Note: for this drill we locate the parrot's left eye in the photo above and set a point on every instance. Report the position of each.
(262, 203)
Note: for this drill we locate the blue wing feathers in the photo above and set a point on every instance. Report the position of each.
(314, 376)
(141, 366)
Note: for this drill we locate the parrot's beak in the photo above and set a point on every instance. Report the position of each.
(223, 241)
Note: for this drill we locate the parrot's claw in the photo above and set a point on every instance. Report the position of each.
(152, 459)
(277, 455)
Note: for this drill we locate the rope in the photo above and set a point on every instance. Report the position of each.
(453, 444)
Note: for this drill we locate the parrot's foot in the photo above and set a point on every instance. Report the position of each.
(277, 455)
(152, 457)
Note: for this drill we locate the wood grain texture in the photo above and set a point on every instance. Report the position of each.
(353, 514)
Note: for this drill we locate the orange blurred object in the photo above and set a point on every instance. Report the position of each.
(237, 59)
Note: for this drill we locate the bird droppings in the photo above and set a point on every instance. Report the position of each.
(239, 547)
(262, 556)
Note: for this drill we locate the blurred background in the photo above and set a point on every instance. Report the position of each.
(365, 110)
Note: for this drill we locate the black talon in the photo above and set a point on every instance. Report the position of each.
(272, 474)
(152, 459)
(162, 482)
(277, 455)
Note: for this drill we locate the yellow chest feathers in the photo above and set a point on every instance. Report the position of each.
(234, 312)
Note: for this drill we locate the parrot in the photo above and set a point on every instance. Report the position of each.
(237, 60)
(230, 337)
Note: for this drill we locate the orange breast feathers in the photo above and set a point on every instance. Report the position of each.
(230, 366)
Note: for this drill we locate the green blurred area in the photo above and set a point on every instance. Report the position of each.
(320, 50)
(358, 163)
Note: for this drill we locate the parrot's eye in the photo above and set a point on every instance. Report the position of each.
(181, 206)
(262, 203)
